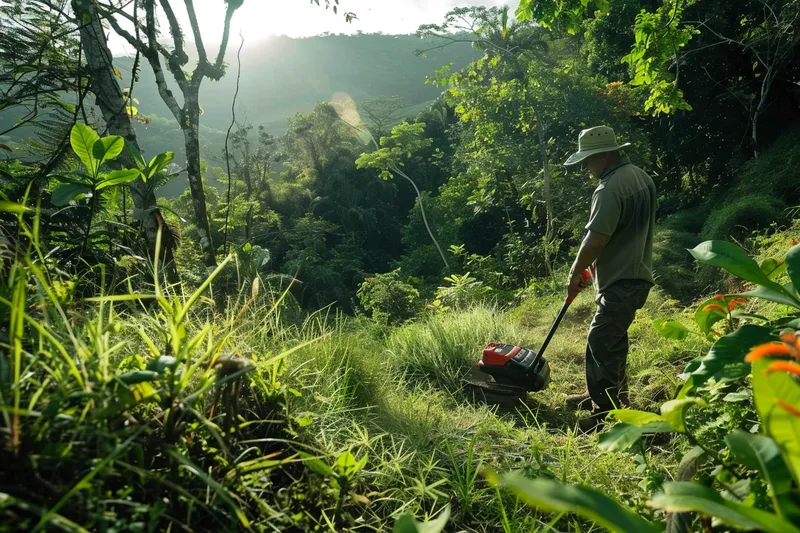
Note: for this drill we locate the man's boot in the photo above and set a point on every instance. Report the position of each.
(592, 423)
(581, 401)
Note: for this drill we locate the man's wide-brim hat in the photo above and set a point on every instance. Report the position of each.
(595, 141)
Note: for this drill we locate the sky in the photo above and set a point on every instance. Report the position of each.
(257, 19)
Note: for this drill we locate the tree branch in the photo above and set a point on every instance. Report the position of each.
(198, 37)
(155, 63)
(232, 7)
(175, 31)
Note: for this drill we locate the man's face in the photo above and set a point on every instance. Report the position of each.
(596, 164)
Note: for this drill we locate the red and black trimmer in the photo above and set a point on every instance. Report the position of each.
(510, 371)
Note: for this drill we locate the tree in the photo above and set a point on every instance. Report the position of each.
(188, 115)
(765, 30)
(40, 64)
(517, 45)
(115, 106)
(381, 112)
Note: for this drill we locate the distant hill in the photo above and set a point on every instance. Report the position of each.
(282, 76)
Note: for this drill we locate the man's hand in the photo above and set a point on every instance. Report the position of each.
(576, 284)
(591, 248)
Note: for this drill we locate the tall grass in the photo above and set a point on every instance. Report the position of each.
(440, 349)
(158, 410)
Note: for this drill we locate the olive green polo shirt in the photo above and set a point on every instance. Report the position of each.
(624, 208)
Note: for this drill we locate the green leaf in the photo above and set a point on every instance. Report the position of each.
(793, 264)
(107, 148)
(138, 376)
(316, 464)
(780, 424)
(772, 267)
(671, 329)
(622, 436)
(707, 314)
(346, 465)
(674, 411)
(116, 177)
(553, 496)
(66, 193)
(158, 163)
(12, 207)
(725, 359)
(690, 496)
(407, 524)
(765, 293)
(634, 417)
(762, 454)
(161, 364)
(736, 261)
(82, 139)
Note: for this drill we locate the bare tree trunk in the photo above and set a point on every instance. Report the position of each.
(191, 135)
(188, 116)
(112, 105)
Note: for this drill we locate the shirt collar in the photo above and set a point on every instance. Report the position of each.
(610, 170)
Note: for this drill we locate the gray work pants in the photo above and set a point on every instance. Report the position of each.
(607, 346)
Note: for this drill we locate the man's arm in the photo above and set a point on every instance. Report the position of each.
(591, 248)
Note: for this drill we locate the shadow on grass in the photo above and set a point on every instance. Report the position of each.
(531, 413)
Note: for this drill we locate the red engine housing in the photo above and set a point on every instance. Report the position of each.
(516, 366)
(498, 354)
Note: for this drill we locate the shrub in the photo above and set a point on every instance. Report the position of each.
(463, 291)
(388, 298)
(738, 218)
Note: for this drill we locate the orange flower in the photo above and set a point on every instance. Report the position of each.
(772, 349)
(715, 307)
(792, 338)
(719, 297)
(784, 366)
(791, 408)
(732, 305)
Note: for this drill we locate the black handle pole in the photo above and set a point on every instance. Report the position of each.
(554, 327)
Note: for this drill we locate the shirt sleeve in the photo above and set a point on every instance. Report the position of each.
(606, 207)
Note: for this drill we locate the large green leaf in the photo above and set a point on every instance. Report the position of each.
(674, 411)
(772, 267)
(117, 177)
(708, 314)
(107, 148)
(12, 207)
(671, 329)
(779, 423)
(553, 496)
(621, 436)
(725, 359)
(634, 417)
(772, 295)
(793, 264)
(66, 193)
(762, 454)
(82, 139)
(407, 524)
(736, 261)
(158, 163)
(690, 496)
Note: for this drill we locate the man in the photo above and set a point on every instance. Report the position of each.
(618, 249)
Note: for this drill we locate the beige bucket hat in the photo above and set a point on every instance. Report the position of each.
(594, 141)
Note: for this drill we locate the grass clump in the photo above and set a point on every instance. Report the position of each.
(440, 349)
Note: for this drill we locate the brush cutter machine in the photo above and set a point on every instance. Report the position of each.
(507, 372)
